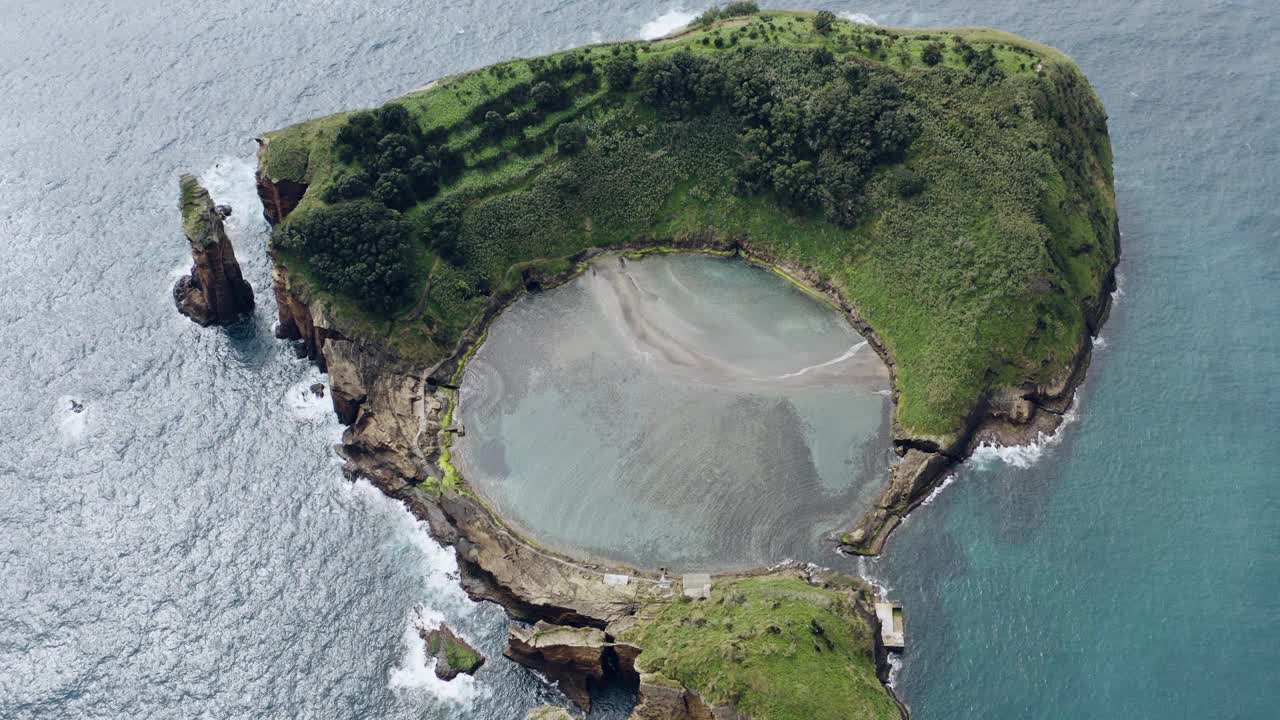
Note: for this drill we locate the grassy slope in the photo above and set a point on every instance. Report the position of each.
(978, 281)
(774, 647)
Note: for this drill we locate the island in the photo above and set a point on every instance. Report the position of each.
(950, 191)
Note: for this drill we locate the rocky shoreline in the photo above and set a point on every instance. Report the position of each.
(395, 413)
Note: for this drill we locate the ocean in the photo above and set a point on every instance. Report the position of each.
(187, 546)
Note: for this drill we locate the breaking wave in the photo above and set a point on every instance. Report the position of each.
(666, 23)
(1024, 456)
(859, 18)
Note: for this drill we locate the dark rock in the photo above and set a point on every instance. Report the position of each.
(214, 293)
(569, 656)
(318, 390)
(77, 406)
(453, 655)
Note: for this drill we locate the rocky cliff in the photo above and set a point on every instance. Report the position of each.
(214, 292)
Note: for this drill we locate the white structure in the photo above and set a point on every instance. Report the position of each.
(697, 586)
(891, 629)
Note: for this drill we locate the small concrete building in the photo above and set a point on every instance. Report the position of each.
(891, 628)
(697, 586)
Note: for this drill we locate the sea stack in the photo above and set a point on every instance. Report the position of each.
(214, 293)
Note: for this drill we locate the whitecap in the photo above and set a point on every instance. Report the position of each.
(1099, 343)
(666, 23)
(860, 18)
(72, 425)
(232, 181)
(306, 405)
(950, 478)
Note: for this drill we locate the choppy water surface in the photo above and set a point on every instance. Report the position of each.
(186, 547)
(676, 411)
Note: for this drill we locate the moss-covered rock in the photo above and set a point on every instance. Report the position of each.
(452, 654)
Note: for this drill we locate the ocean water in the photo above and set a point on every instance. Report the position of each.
(187, 546)
(678, 411)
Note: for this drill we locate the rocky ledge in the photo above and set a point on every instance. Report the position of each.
(214, 292)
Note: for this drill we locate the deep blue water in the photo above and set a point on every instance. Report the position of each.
(188, 547)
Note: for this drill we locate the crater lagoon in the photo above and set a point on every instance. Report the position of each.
(675, 411)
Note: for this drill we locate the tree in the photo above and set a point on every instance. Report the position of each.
(737, 9)
(571, 138)
(822, 57)
(394, 189)
(680, 84)
(494, 124)
(620, 71)
(357, 249)
(444, 229)
(824, 21)
(932, 54)
(348, 187)
(546, 96)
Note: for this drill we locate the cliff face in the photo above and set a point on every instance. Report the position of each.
(214, 293)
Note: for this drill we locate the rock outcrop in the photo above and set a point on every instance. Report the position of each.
(573, 658)
(214, 293)
(453, 655)
(280, 196)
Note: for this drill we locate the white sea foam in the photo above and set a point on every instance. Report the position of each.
(838, 359)
(416, 670)
(946, 481)
(443, 599)
(858, 17)
(1099, 343)
(72, 425)
(867, 570)
(666, 23)
(230, 181)
(1024, 456)
(895, 665)
(304, 404)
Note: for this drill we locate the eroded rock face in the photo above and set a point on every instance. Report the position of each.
(214, 292)
(662, 699)
(454, 656)
(572, 657)
(279, 197)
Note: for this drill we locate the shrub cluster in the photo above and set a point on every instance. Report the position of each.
(358, 249)
(401, 164)
(811, 133)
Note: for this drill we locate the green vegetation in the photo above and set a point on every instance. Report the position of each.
(193, 201)
(459, 656)
(773, 647)
(954, 185)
